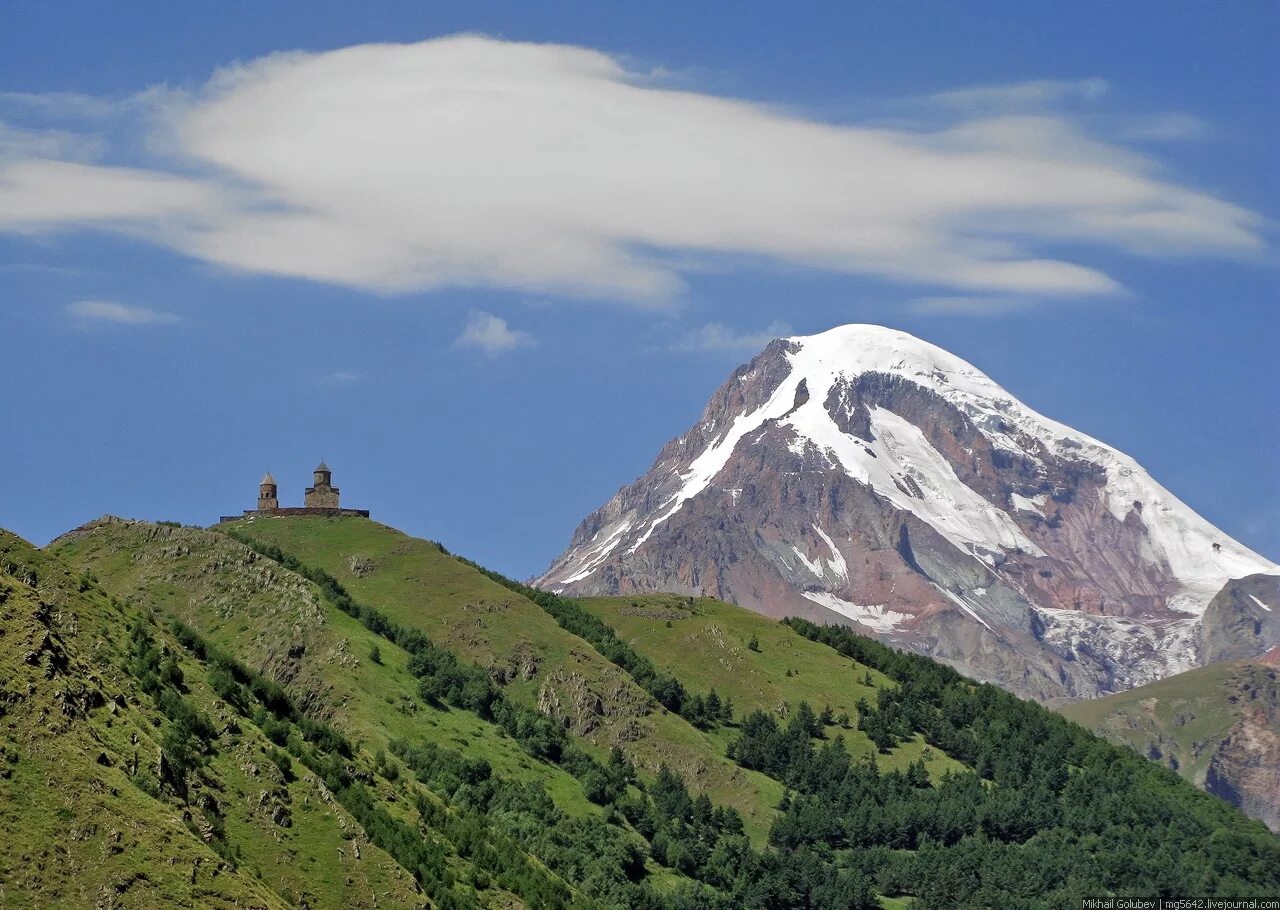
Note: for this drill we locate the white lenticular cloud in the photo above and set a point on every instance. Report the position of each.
(468, 161)
(490, 334)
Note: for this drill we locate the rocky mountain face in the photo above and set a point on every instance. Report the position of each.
(1218, 726)
(1243, 620)
(867, 477)
(1245, 769)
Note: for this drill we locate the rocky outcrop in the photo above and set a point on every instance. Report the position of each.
(212, 581)
(1245, 771)
(866, 477)
(584, 709)
(1245, 768)
(1243, 620)
(521, 664)
(1217, 725)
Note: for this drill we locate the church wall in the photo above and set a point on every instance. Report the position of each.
(321, 498)
(288, 512)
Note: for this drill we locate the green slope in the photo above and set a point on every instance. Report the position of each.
(1218, 726)
(84, 818)
(285, 627)
(468, 747)
(416, 583)
(278, 623)
(458, 804)
(1176, 721)
(705, 642)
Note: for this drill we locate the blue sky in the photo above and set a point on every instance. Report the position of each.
(486, 259)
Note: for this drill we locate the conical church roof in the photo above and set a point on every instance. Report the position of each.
(267, 478)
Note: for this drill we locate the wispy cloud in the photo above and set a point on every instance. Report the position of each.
(1037, 93)
(100, 311)
(969, 306)
(1166, 128)
(469, 161)
(342, 377)
(715, 336)
(17, 144)
(75, 104)
(490, 334)
(39, 267)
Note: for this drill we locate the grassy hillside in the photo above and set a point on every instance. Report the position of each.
(506, 747)
(460, 803)
(1175, 721)
(759, 664)
(416, 583)
(1218, 726)
(90, 815)
(278, 623)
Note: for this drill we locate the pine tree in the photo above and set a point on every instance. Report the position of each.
(713, 706)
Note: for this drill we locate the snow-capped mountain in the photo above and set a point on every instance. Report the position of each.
(866, 476)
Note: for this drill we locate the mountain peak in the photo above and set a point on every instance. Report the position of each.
(865, 475)
(865, 347)
(853, 350)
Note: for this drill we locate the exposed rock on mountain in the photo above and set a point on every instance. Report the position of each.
(1243, 619)
(1218, 726)
(1245, 769)
(866, 476)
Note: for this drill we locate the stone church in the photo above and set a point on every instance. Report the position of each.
(321, 498)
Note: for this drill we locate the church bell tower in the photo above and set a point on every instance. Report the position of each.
(268, 500)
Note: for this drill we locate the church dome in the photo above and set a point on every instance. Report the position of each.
(268, 478)
(322, 467)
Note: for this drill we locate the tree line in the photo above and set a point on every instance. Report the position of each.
(1049, 812)
(703, 711)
